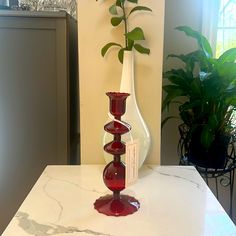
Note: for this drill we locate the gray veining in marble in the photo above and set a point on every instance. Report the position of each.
(176, 176)
(34, 228)
(54, 199)
(60, 205)
(75, 184)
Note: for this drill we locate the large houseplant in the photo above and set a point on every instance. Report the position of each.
(205, 91)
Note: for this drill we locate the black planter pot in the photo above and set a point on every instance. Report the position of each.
(213, 157)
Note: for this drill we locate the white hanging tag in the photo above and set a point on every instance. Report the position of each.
(131, 156)
(131, 162)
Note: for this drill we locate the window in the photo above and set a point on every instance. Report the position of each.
(226, 29)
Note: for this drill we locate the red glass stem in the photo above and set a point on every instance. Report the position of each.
(114, 172)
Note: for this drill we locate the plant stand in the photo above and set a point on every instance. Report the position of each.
(223, 176)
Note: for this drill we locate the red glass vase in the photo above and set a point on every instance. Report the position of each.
(116, 204)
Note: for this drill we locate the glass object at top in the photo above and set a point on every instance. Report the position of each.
(69, 6)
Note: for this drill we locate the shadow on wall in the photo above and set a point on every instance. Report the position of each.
(189, 13)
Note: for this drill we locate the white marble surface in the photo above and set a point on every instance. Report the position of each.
(175, 201)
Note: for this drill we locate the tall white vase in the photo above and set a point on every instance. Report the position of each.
(132, 115)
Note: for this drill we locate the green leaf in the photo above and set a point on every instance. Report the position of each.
(107, 46)
(207, 137)
(202, 41)
(133, 1)
(173, 92)
(190, 105)
(136, 34)
(170, 88)
(186, 117)
(140, 8)
(213, 122)
(113, 9)
(195, 87)
(227, 70)
(116, 20)
(228, 56)
(205, 45)
(233, 102)
(189, 59)
(121, 55)
(141, 49)
(130, 44)
(119, 3)
(179, 77)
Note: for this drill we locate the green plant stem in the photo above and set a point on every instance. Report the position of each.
(125, 22)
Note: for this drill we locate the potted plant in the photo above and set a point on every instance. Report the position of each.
(205, 91)
(121, 12)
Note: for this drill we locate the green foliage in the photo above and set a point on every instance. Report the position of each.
(207, 86)
(116, 20)
(141, 49)
(202, 41)
(139, 8)
(107, 46)
(120, 15)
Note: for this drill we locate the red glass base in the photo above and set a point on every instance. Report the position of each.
(123, 206)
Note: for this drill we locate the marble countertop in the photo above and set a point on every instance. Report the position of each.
(175, 201)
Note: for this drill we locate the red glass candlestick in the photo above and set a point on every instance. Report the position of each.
(114, 172)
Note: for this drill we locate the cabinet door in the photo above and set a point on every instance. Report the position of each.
(33, 104)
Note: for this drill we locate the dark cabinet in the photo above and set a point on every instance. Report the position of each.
(38, 101)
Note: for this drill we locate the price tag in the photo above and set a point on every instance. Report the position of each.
(131, 162)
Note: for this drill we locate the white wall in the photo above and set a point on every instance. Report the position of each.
(99, 75)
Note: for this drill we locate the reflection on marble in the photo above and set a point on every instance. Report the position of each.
(33, 228)
(175, 201)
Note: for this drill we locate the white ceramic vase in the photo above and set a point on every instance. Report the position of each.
(132, 115)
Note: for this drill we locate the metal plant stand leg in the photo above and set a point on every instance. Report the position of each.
(206, 179)
(231, 192)
(217, 193)
(225, 176)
